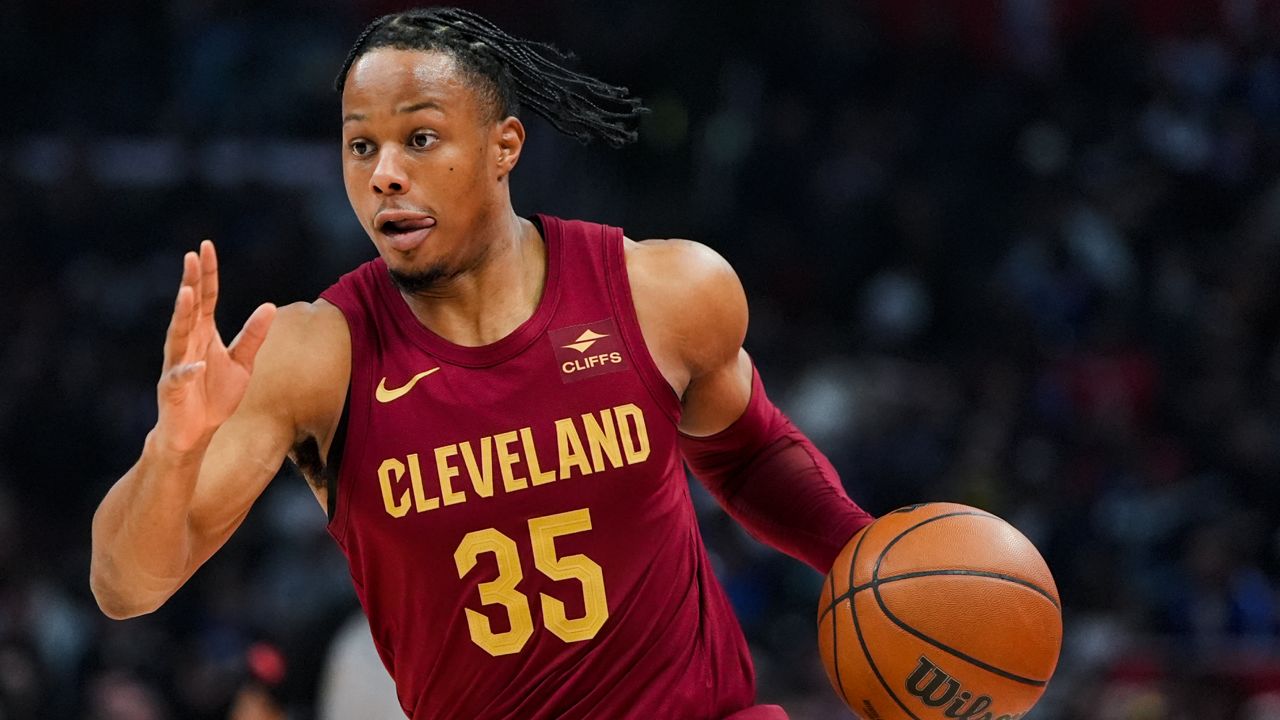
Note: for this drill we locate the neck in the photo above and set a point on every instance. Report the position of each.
(494, 293)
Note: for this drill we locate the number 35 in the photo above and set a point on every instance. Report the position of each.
(543, 532)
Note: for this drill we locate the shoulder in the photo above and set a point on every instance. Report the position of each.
(306, 336)
(689, 300)
(309, 323)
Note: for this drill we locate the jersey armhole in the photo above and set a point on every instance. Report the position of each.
(333, 462)
(624, 310)
(345, 449)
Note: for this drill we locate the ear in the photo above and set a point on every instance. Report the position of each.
(510, 141)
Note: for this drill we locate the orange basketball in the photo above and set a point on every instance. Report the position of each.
(939, 611)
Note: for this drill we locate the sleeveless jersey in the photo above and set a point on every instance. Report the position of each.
(516, 517)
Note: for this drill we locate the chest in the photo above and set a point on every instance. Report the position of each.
(444, 447)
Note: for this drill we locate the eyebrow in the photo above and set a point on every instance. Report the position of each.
(424, 105)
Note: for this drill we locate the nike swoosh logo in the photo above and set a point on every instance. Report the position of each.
(385, 396)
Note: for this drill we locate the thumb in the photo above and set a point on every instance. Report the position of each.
(244, 348)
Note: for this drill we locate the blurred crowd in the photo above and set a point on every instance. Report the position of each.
(1021, 254)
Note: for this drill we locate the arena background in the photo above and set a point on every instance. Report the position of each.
(1022, 254)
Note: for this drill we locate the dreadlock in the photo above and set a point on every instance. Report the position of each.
(509, 71)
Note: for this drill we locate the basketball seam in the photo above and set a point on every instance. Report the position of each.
(852, 562)
(875, 590)
(953, 571)
(835, 630)
(959, 572)
(835, 649)
(857, 628)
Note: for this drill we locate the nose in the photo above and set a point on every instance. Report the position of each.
(389, 176)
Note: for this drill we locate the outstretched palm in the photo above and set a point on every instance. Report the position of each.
(203, 380)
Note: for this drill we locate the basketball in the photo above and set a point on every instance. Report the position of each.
(939, 610)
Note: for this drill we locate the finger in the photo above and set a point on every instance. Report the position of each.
(208, 279)
(191, 278)
(177, 340)
(198, 336)
(178, 337)
(245, 347)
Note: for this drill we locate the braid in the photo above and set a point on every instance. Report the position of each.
(517, 71)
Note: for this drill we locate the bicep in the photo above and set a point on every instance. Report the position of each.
(720, 369)
(693, 312)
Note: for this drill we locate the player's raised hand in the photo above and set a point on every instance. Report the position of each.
(203, 380)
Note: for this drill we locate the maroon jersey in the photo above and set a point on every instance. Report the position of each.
(516, 516)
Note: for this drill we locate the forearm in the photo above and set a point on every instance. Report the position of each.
(772, 480)
(196, 478)
(142, 540)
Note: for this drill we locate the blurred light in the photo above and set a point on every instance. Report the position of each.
(163, 162)
(823, 404)
(224, 163)
(266, 663)
(1043, 148)
(137, 161)
(298, 164)
(896, 306)
(45, 159)
(1181, 141)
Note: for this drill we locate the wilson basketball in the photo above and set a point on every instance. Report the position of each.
(939, 611)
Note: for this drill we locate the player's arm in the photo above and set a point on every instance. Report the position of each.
(759, 466)
(228, 416)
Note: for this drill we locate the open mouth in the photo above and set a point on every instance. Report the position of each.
(402, 227)
(405, 230)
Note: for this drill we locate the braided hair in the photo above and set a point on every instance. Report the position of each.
(508, 71)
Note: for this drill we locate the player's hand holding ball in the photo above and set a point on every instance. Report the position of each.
(939, 611)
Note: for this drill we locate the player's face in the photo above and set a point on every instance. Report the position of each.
(423, 162)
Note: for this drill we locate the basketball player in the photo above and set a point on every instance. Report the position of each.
(493, 413)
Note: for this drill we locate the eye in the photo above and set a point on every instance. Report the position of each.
(360, 148)
(422, 140)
